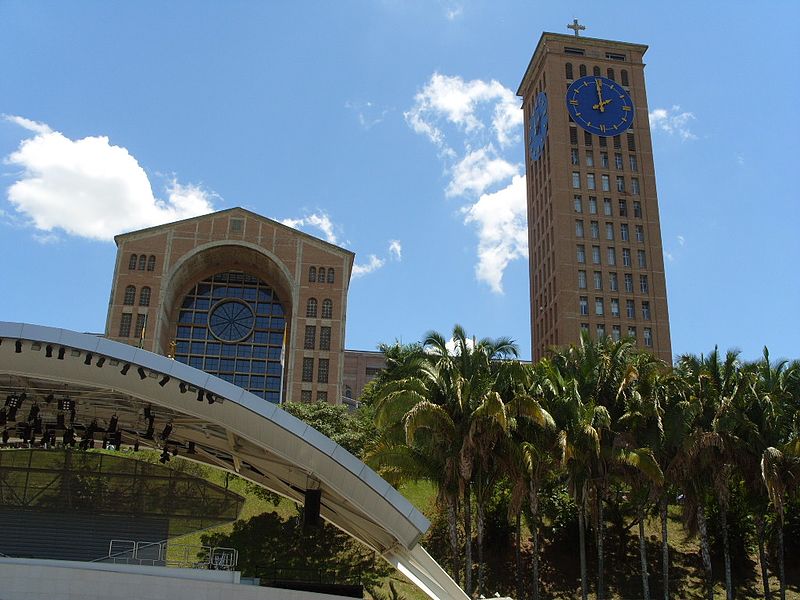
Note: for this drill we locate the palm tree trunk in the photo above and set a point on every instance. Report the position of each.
(664, 546)
(452, 515)
(643, 555)
(480, 522)
(518, 552)
(781, 573)
(726, 552)
(704, 552)
(467, 541)
(535, 539)
(762, 557)
(600, 566)
(582, 544)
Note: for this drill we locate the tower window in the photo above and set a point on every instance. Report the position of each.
(142, 262)
(327, 309)
(321, 274)
(132, 262)
(568, 68)
(312, 274)
(582, 70)
(637, 209)
(646, 310)
(578, 228)
(311, 308)
(644, 287)
(610, 74)
(236, 225)
(596, 71)
(322, 370)
(144, 297)
(648, 337)
(573, 135)
(631, 143)
(598, 306)
(151, 263)
(330, 275)
(130, 296)
(125, 325)
(308, 369)
(578, 204)
(325, 338)
(630, 309)
(584, 305)
(310, 339)
(141, 322)
(575, 51)
(617, 142)
(624, 77)
(615, 56)
(587, 139)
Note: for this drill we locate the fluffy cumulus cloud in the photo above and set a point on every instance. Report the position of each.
(673, 121)
(373, 264)
(91, 188)
(474, 126)
(451, 101)
(319, 221)
(479, 170)
(502, 231)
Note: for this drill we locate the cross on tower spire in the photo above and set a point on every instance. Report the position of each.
(576, 27)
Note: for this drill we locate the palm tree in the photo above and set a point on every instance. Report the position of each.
(582, 424)
(530, 453)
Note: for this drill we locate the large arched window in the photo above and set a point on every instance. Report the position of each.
(142, 262)
(321, 274)
(311, 308)
(232, 325)
(610, 74)
(568, 68)
(151, 263)
(624, 76)
(130, 296)
(312, 274)
(132, 262)
(144, 297)
(327, 309)
(582, 70)
(330, 275)
(596, 71)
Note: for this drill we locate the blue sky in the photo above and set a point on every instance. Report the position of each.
(389, 127)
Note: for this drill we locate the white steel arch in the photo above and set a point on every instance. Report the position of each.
(227, 426)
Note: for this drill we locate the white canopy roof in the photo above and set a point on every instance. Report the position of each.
(238, 431)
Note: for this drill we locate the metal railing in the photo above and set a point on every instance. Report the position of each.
(164, 554)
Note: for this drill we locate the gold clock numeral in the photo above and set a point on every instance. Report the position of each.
(626, 108)
(574, 102)
(624, 119)
(602, 128)
(615, 127)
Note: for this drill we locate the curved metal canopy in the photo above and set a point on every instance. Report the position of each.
(224, 425)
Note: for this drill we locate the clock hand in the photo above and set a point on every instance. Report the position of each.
(600, 105)
(599, 85)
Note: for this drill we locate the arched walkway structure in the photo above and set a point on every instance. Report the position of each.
(166, 404)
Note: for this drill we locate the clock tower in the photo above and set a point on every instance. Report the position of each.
(594, 237)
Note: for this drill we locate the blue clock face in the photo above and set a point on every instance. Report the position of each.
(600, 105)
(538, 126)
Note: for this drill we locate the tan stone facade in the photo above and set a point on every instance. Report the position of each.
(360, 367)
(170, 260)
(617, 225)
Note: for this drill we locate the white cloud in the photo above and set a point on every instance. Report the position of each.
(320, 221)
(673, 121)
(452, 9)
(502, 231)
(681, 240)
(479, 170)
(740, 159)
(396, 249)
(483, 119)
(91, 188)
(460, 103)
(669, 256)
(373, 264)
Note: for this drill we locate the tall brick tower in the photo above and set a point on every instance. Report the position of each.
(594, 237)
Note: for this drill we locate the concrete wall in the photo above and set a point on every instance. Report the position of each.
(65, 580)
